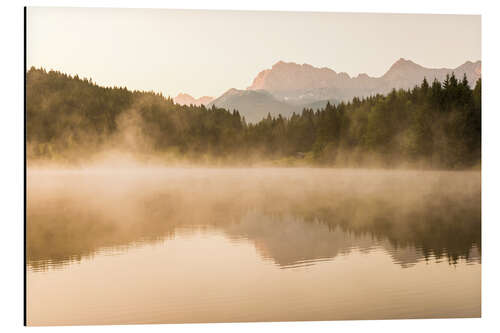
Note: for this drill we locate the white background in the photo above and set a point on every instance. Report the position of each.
(11, 175)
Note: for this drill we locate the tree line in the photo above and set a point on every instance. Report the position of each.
(437, 125)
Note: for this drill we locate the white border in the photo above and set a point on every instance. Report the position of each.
(11, 177)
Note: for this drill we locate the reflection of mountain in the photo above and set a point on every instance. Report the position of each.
(293, 217)
(290, 241)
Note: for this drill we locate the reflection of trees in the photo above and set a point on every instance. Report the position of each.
(446, 228)
(291, 220)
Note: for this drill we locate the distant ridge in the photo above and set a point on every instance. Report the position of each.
(186, 99)
(254, 105)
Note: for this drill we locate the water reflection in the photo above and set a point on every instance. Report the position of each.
(294, 217)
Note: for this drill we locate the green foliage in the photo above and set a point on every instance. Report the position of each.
(438, 125)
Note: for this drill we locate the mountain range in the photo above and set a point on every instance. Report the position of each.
(288, 87)
(292, 82)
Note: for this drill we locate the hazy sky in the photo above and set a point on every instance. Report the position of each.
(208, 52)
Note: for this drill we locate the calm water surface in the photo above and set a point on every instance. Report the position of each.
(177, 245)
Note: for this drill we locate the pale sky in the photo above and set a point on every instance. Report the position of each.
(208, 52)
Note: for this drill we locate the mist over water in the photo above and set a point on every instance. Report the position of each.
(437, 214)
(302, 220)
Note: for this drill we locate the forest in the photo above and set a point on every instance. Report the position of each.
(434, 125)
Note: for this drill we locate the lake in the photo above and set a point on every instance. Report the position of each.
(185, 245)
